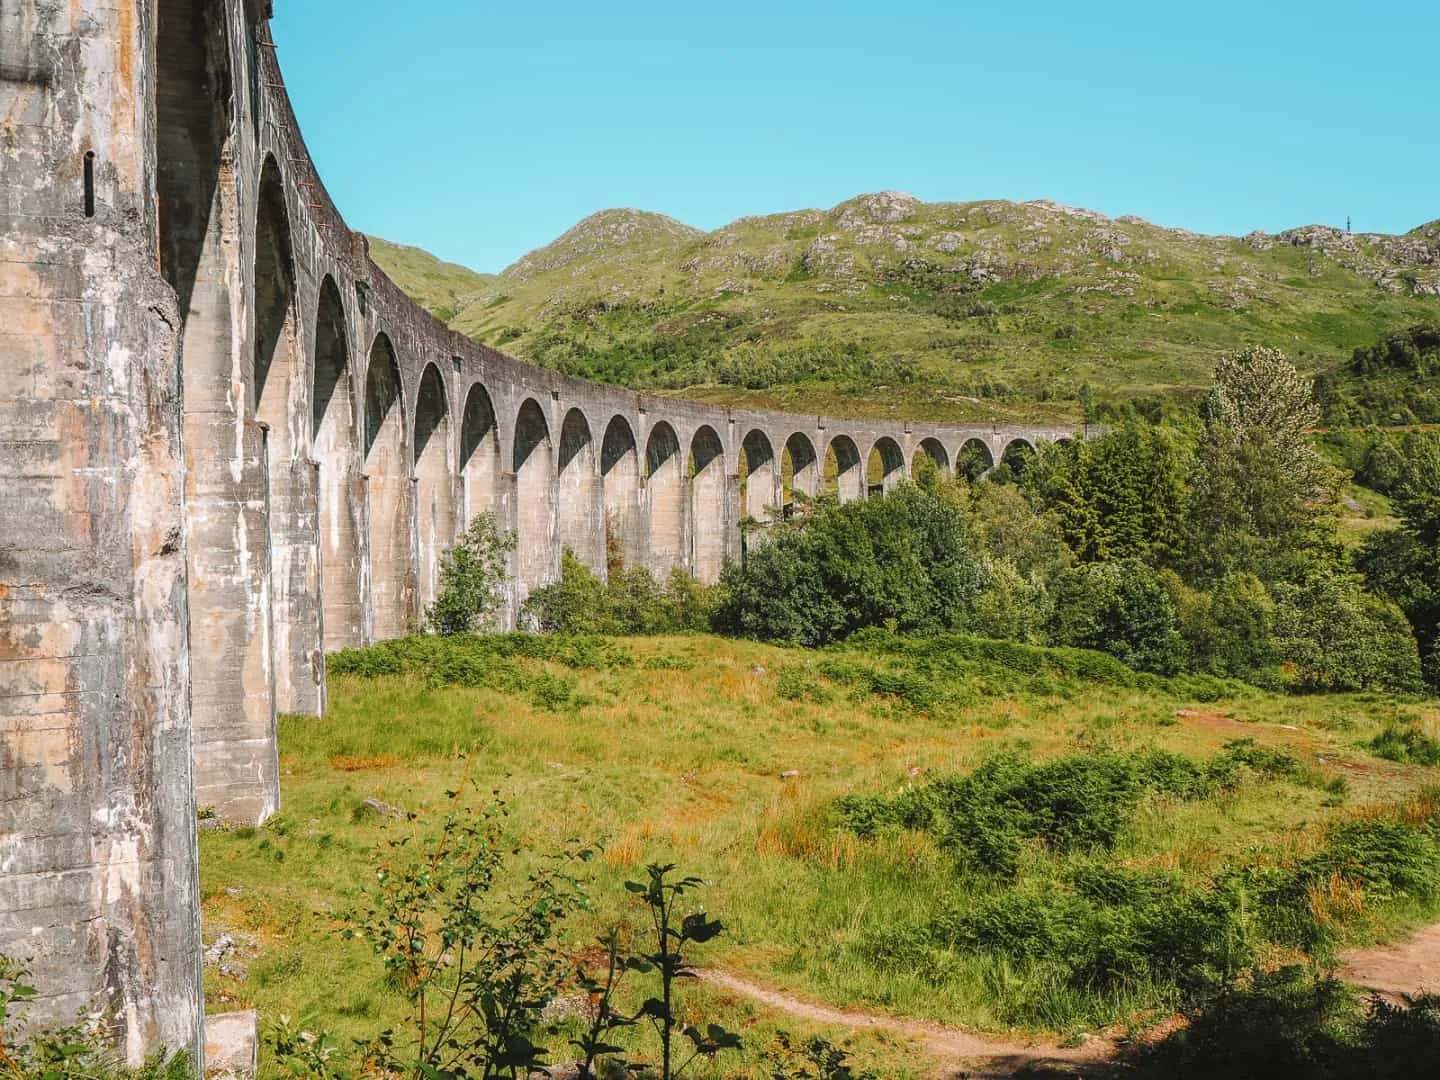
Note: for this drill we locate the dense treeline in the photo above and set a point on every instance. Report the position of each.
(1207, 542)
(1394, 381)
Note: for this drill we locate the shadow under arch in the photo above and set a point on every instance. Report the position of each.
(336, 451)
(533, 463)
(664, 499)
(885, 465)
(434, 483)
(620, 484)
(279, 401)
(974, 460)
(480, 465)
(842, 475)
(799, 470)
(929, 450)
(580, 500)
(707, 505)
(758, 476)
(388, 496)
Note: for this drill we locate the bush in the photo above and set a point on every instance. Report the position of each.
(1407, 744)
(1337, 637)
(1295, 1024)
(1071, 804)
(473, 574)
(1120, 608)
(902, 561)
(632, 602)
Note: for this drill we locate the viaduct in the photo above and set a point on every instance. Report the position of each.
(229, 445)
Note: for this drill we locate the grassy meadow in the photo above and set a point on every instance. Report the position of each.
(729, 757)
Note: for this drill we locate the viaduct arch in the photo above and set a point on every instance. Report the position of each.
(230, 444)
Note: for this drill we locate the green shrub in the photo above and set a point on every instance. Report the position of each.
(1120, 608)
(1405, 743)
(472, 579)
(902, 561)
(1292, 1023)
(631, 602)
(1071, 804)
(1337, 637)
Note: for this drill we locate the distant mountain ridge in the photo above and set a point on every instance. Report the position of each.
(949, 310)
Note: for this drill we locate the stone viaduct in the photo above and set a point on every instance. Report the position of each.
(229, 445)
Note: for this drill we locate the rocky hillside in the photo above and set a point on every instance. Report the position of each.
(956, 310)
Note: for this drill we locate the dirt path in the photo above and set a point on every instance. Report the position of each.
(1405, 968)
(963, 1053)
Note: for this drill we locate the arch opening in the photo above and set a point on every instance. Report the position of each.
(664, 499)
(388, 496)
(707, 505)
(929, 454)
(758, 477)
(434, 486)
(279, 402)
(885, 466)
(580, 500)
(799, 472)
(336, 452)
(480, 465)
(534, 466)
(844, 478)
(620, 480)
(1015, 461)
(974, 460)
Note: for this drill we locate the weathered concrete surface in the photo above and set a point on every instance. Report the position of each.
(229, 443)
(232, 1045)
(98, 889)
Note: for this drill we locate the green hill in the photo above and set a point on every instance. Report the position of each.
(444, 289)
(984, 310)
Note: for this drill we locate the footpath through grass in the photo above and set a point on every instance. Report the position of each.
(1125, 839)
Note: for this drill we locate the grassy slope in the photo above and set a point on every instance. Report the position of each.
(992, 309)
(664, 763)
(444, 289)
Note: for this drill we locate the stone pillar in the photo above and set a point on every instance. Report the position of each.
(98, 889)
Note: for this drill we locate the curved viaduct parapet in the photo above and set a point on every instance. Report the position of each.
(231, 445)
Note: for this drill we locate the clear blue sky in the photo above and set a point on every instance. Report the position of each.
(481, 130)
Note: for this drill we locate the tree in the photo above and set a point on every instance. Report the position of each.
(1120, 496)
(1263, 496)
(1403, 564)
(1336, 637)
(1120, 608)
(472, 579)
(904, 560)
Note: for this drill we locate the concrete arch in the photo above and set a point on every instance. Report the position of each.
(434, 483)
(843, 473)
(932, 450)
(974, 459)
(388, 496)
(227, 521)
(480, 465)
(885, 465)
(759, 476)
(664, 499)
(707, 504)
(799, 469)
(280, 406)
(337, 455)
(533, 463)
(620, 483)
(580, 501)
